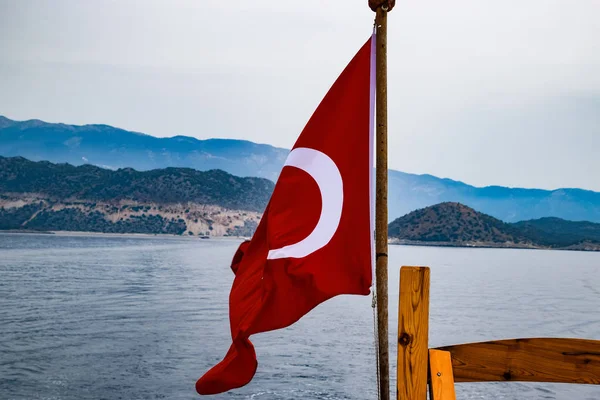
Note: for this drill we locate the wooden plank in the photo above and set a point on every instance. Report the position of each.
(441, 379)
(527, 360)
(413, 332)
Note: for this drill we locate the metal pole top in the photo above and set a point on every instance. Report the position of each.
(386, 5)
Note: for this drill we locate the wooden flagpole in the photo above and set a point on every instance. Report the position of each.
(381, 206)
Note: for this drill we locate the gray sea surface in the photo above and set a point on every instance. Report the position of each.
(132, 317)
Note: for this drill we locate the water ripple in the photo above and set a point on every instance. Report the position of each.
(143, 317)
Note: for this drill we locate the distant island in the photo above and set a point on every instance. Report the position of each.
(42, 196)
(454, 224)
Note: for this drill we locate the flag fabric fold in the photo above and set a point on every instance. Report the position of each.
(315, 239)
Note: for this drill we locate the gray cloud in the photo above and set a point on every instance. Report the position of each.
(495, 92)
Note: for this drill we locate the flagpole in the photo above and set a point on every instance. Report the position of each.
(381, 203)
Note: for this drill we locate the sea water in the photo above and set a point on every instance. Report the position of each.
(142, 317)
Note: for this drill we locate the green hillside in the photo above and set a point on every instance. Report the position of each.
(170, 185)
(458, 225)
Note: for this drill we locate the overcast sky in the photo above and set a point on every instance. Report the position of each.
(488, 92)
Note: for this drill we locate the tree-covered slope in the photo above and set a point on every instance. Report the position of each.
(457, 224)
(170, 185)
(453, 223)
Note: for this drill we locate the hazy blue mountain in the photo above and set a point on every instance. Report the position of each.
(114, 148)
(408, 192)
(106, 146)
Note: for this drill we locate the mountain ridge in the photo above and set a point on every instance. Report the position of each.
(166, 186)
(113, 148)
(109, 147)
(42, 196)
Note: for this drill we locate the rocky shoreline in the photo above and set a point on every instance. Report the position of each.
(34, 213)
(593, 247)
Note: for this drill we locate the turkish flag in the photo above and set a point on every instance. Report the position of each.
(315, 239)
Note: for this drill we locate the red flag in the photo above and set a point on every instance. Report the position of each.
(315, 239)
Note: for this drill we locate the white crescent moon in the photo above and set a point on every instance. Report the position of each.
(327, 176)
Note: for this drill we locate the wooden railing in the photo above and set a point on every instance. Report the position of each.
(531, 360)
